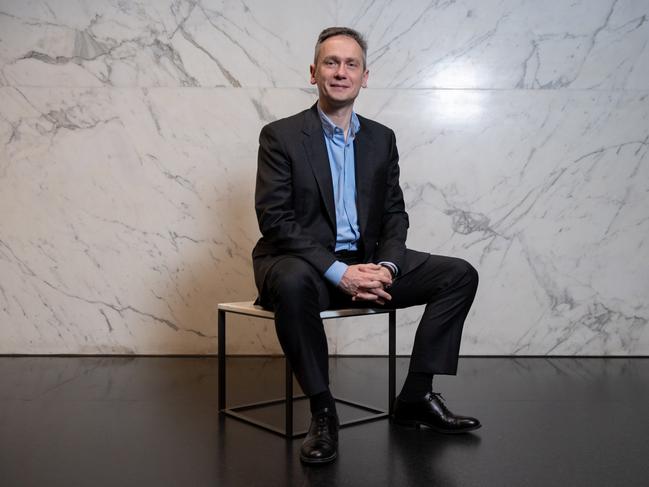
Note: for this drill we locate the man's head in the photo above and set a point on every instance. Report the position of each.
(341, 31)
(339, 66)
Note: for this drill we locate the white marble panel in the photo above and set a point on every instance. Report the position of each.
(509, 44)
(159, 43)
(596, 44)
(127, 214)
(128, 138)
(546, 193)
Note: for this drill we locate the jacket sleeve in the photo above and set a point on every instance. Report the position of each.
(391, 244)
(274, 205)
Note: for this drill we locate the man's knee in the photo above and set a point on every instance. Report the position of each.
(461, 273)
(468, 274)
(292, 279)
(296, 292)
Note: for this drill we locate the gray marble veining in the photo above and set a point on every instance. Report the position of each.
(128, 138)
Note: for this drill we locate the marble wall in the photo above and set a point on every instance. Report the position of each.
(128, 138)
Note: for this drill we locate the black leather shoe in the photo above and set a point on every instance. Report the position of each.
(321, 442)
(432, 412)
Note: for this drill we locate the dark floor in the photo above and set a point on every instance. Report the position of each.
(101, 421)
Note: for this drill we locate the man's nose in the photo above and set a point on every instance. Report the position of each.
(341, 72)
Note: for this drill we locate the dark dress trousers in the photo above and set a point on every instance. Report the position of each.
(294, 201)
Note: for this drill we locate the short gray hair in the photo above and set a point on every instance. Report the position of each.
(341, 31)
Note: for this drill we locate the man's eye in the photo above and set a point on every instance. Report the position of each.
(330, 63)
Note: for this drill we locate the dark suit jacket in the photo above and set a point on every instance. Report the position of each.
(295, 203)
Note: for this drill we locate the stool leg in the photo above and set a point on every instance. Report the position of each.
(288, 408)
(392, 326)
(221, 361)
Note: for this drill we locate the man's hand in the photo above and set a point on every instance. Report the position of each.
(367, 282)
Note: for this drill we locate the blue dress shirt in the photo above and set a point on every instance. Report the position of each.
(343, 175)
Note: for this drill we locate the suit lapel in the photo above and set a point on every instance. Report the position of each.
(364, 159)
(318, 158)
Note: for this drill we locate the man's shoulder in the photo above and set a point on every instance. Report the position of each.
(309, 119)
(290, 123)
(374, 126)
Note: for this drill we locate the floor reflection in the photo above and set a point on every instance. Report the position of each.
(153, 421)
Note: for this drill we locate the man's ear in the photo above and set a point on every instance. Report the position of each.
(364, 79)
(312, 72)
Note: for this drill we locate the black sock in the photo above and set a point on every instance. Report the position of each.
(321, 401)
(416, 386)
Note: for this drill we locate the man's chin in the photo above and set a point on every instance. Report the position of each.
(340, 102)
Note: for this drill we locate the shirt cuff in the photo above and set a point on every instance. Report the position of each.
(335, 272)
(392, 266)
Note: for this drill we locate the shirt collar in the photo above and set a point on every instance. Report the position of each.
(328, 126)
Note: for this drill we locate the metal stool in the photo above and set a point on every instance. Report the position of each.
(248, 308)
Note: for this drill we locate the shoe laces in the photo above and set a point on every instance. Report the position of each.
(442, 402)
(438, 395)
(322, 423)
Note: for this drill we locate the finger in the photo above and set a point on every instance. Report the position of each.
(387, 280)
(380, 275)
(372, 284)
(384, 296)
(380, 293)
(369, 267)
(365, 296)
(386, 273)
(369, 297)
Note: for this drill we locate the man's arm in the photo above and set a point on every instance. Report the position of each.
(369, 282)
(394, 226)
(274, 205)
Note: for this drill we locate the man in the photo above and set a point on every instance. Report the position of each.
(333, 226)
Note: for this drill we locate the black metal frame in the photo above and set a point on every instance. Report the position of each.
(287, 431)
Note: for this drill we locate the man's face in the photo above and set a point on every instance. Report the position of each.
(339, 71)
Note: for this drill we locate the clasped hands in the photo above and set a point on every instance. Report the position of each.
(367, 282)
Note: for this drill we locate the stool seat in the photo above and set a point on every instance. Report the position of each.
(248, 308)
